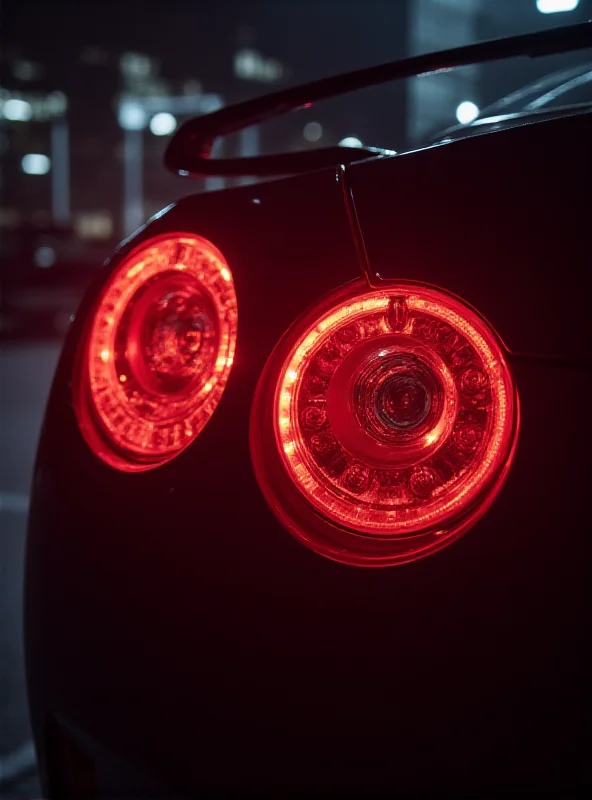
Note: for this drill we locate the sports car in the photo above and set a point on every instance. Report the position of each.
(309, 508)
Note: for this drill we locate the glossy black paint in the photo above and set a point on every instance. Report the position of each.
(173, 621)
(501, 219)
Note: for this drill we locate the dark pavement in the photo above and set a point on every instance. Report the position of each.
(25, 376)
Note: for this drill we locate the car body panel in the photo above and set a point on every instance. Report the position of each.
(503, 219)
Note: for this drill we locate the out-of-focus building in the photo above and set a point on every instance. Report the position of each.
(65, 156)
(53, 127)
(284, 44)
(82, 136)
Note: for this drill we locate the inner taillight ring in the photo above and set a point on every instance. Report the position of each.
(401, 397)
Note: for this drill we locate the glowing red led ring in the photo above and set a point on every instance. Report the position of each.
(158, 352)
(364, 494)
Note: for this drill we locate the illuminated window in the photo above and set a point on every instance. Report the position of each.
(132, 116)
(35, 164)
(553, 6)
(313, 131)
(16, 110)
(94, 225)
(466, 112)
(350, 141)
(163, 124)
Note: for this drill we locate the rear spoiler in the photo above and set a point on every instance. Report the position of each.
(190, 148)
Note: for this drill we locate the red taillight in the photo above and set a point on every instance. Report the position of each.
(384, 424)
(158, 353)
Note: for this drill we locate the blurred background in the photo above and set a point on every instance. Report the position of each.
(90, 93)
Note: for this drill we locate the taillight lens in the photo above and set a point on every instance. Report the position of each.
(158, 352)
(384, 423)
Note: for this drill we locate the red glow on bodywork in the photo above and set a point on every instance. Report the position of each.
(159, 352)
(384, 424)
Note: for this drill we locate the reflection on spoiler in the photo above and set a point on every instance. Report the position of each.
(189, 151)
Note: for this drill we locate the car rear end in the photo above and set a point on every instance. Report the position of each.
(187, 625)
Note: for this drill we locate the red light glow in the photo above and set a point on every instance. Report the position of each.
(158, 353)
(384, 424)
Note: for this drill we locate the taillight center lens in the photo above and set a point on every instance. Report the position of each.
(401, 397)
(403, 402)
(168, 340)
(396, 395)
(176, 336)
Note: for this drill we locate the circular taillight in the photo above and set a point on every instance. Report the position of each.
(384, 423)
(158, 352)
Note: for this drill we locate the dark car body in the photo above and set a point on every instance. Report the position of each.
(179, 640)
